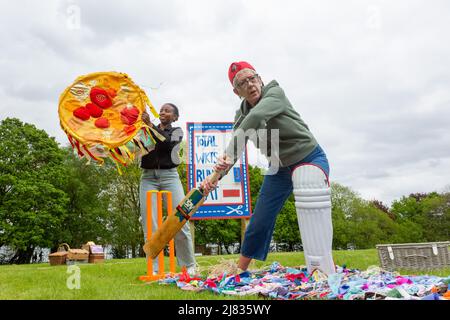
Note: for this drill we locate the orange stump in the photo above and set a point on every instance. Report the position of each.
(161, 273)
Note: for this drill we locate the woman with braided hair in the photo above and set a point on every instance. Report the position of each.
(159, 172)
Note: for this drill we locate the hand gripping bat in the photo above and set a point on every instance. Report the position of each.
(173, 223)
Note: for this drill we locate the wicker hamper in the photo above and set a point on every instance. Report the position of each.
(416, 256)
(75, 255)
(96, 258)
(96, 254)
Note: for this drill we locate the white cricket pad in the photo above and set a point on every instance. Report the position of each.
(313, 204)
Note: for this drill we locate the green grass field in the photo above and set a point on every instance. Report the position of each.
(118, 279)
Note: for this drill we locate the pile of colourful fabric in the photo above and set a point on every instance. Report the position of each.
(295, 283)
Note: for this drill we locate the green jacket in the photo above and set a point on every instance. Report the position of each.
(273, 111)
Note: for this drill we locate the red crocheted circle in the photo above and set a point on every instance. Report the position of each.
(94, 110)
(102, 123)
(100, 97)
(129, 115)
(82, 113)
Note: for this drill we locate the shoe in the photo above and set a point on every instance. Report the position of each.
(239, 271)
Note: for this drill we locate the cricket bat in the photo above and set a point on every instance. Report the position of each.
(173, 223)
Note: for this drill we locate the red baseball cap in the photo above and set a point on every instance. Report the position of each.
(235, 67)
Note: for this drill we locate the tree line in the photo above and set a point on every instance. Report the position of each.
(49, 196)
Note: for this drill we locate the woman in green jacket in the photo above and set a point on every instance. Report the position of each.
(297, 164)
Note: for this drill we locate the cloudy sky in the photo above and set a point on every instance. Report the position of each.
(370, 78)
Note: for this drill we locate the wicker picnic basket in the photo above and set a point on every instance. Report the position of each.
(57, 258)
(74, 255)
(96, 253)
(416, 256)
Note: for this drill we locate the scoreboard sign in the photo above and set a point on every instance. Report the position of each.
(206, 143)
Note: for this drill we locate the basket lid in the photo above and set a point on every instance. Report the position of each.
(419, 244)
(79, 251)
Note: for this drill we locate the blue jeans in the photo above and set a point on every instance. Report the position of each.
(274, 192)
(166, 179)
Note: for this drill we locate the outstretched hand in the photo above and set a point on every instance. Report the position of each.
(207, 185)
(223, 164)
(146, 119)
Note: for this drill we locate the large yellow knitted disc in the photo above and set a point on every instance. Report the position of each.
(101, 113)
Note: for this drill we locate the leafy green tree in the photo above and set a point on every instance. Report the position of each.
(32, 204)
(408, 232)
(224, 232)
(369, 226)
(409, 215)
(343, 201)
(437, 222)
(381, 206)
(408, 208)
(358, 223)
(183, 178)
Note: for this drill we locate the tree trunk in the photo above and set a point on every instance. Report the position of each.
(141, 251)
